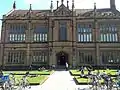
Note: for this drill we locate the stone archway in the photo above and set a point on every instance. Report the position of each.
(62, 58)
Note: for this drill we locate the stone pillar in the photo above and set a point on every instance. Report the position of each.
(1, 55)
(97, 50)
(50, 39)
(74, 61)
(28, 40)
(77, 57)
(97, 54)
(71, 59)
(3, 40)
(118, 33)
(3, 31)
(52, 58)
(54, 61)
(51, 26)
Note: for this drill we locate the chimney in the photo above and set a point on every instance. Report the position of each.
(112, 4)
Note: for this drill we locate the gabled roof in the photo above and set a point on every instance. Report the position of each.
(62, 10)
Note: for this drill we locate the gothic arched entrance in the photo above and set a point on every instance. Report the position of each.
(62, 58)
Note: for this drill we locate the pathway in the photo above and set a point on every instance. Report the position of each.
(59, 80)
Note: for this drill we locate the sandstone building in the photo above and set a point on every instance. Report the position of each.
(54, 37)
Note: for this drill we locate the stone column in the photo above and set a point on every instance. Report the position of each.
(50, 39)
(3, 40)
(118, 33)
(71, 59)
(54, 61)
(28, 40)
(1, 55)
(97, 50)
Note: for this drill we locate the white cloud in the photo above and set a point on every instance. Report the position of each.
(32, 1)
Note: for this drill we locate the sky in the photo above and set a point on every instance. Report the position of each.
(6, 5)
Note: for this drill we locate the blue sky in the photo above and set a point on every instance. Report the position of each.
(6, 5)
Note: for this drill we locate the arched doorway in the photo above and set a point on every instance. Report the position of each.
(62, 58)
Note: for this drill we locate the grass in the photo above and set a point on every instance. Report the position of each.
(81, 80)
(31, 72)
(35, 78)
(77, 72)
(86, 80)
(32, 80)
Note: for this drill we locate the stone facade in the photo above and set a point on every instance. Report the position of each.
(90, 46)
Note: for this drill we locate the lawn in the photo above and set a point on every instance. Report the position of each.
(86, 80)
(43, 72)
(34, 78)
(77, 72)
(82, 80)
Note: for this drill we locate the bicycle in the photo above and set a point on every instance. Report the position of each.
(24, 83)
(10, 83)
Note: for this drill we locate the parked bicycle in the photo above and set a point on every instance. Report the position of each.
(24, 83)
(7, 82)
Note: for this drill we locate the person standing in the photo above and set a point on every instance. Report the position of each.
(66, 66)
(1, 73)
(82, 72)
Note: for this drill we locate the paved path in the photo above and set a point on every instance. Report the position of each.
(59, 80)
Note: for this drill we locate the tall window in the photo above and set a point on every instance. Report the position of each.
(110, 57)
(84, 33)
(40, 57)
(86, 57)
(63, 31)
(17, 33)
(16, 57)
(108, 33)
(41, 34)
